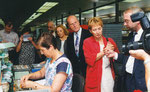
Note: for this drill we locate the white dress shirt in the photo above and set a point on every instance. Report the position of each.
(107, 82)
(130, 62)
(62, 46)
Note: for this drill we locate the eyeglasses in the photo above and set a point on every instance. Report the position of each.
(73, 23)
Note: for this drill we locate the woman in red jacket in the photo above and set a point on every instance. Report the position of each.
(100, 74)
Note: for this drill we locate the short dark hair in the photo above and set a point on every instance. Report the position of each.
(26, 29)
(8, 23)
(46, 40)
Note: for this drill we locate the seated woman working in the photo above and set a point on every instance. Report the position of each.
(57, 71)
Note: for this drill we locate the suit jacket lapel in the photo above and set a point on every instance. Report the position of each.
(72, 42)
(81, 41)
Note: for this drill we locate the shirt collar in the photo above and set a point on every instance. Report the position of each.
(7, 32)
(79, 31)
(140, 31)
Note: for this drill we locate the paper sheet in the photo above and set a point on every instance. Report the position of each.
(18, 75)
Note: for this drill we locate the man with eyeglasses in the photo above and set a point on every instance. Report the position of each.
(75, 44)
(133, 69)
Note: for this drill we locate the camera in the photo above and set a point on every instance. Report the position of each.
(25, 37)
(145, 42)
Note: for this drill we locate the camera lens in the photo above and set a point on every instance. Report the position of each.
(132, 46)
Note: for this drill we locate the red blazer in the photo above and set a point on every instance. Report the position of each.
(94, 68)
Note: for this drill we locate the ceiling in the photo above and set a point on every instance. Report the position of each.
(19, 10)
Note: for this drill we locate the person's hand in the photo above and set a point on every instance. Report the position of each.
(30, 38)
(21, 38)
(139, 54)
(24, 78)
(4, 41)
(43, 62)
(109, 53)
(109, 46)
(27, 84)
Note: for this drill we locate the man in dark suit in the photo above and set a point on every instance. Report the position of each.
(75, 44)
(133, 69)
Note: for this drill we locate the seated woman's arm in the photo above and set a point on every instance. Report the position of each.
(43, 62)
(57, 84)
(36, 75)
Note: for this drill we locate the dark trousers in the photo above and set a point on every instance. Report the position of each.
(128, 81)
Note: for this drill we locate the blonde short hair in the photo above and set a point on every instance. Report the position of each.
(95, 21)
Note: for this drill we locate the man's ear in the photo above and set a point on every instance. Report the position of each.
(138, 22)
(67, 25)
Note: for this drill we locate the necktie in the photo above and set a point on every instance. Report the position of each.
(77, 45)
(132, 37)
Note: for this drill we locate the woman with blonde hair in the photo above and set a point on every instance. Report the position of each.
(62, 34)
(100, 74)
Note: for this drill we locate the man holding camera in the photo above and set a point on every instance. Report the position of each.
(142, 55)
(133, 69)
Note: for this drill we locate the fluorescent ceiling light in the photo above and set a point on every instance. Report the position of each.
(131, 1)
(42, 24)
(105, 7)
(77, 15)
(103, 16)
(34, 16)
(65, 18)
(26, 22)
(106, 16)
(44, 8)
(59, 20)
(88, 12)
